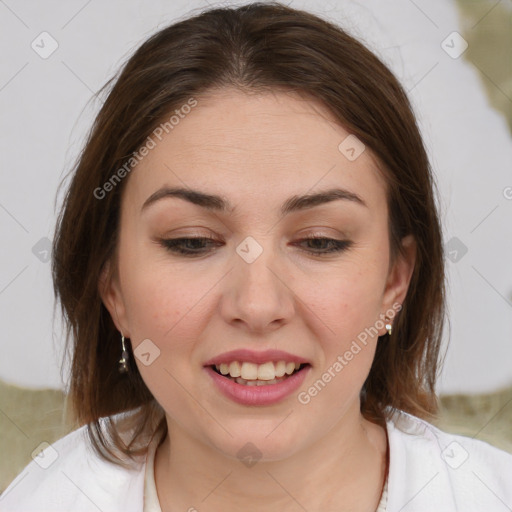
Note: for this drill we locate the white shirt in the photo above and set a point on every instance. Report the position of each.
(429, 471)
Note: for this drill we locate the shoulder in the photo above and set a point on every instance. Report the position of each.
(69, 475)
(434, 470)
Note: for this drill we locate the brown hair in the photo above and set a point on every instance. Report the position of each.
(256, 48)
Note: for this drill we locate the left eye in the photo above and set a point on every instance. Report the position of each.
(196, 245)
(334, 245)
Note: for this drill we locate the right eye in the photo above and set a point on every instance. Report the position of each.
(188, 246)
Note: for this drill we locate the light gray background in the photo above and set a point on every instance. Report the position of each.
(46, 111)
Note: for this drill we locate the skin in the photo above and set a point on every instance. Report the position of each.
(257, 151)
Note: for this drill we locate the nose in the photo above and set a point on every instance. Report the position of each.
(257, 294)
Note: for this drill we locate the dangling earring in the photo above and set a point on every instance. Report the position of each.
(389, 326)
(123, 362)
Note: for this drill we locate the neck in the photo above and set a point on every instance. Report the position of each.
(346, 468)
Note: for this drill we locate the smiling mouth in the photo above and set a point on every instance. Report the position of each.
(260, 382)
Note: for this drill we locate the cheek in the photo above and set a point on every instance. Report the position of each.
(164, 309)
(161, 305)
(348, 299)
(346, 310)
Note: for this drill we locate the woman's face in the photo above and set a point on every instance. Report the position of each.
(255, 284)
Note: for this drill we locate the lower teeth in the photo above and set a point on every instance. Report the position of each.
(256, 382)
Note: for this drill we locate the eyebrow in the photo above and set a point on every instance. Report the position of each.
(220, 204)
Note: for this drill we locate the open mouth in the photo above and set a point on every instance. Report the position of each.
(278, 375)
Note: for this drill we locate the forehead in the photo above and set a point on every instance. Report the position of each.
(267, 146)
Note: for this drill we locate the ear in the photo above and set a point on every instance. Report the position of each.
(112, 297)
(399, 276)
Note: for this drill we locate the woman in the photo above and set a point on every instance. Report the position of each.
(249, 259)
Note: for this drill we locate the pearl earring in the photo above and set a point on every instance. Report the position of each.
(389, 326)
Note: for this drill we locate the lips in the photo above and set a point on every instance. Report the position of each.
(256, 392)
(257, 378)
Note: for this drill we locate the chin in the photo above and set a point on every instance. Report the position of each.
(256, 444)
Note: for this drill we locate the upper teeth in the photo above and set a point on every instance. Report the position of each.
(252, 371)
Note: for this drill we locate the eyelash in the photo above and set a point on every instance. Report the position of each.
(175, 245)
